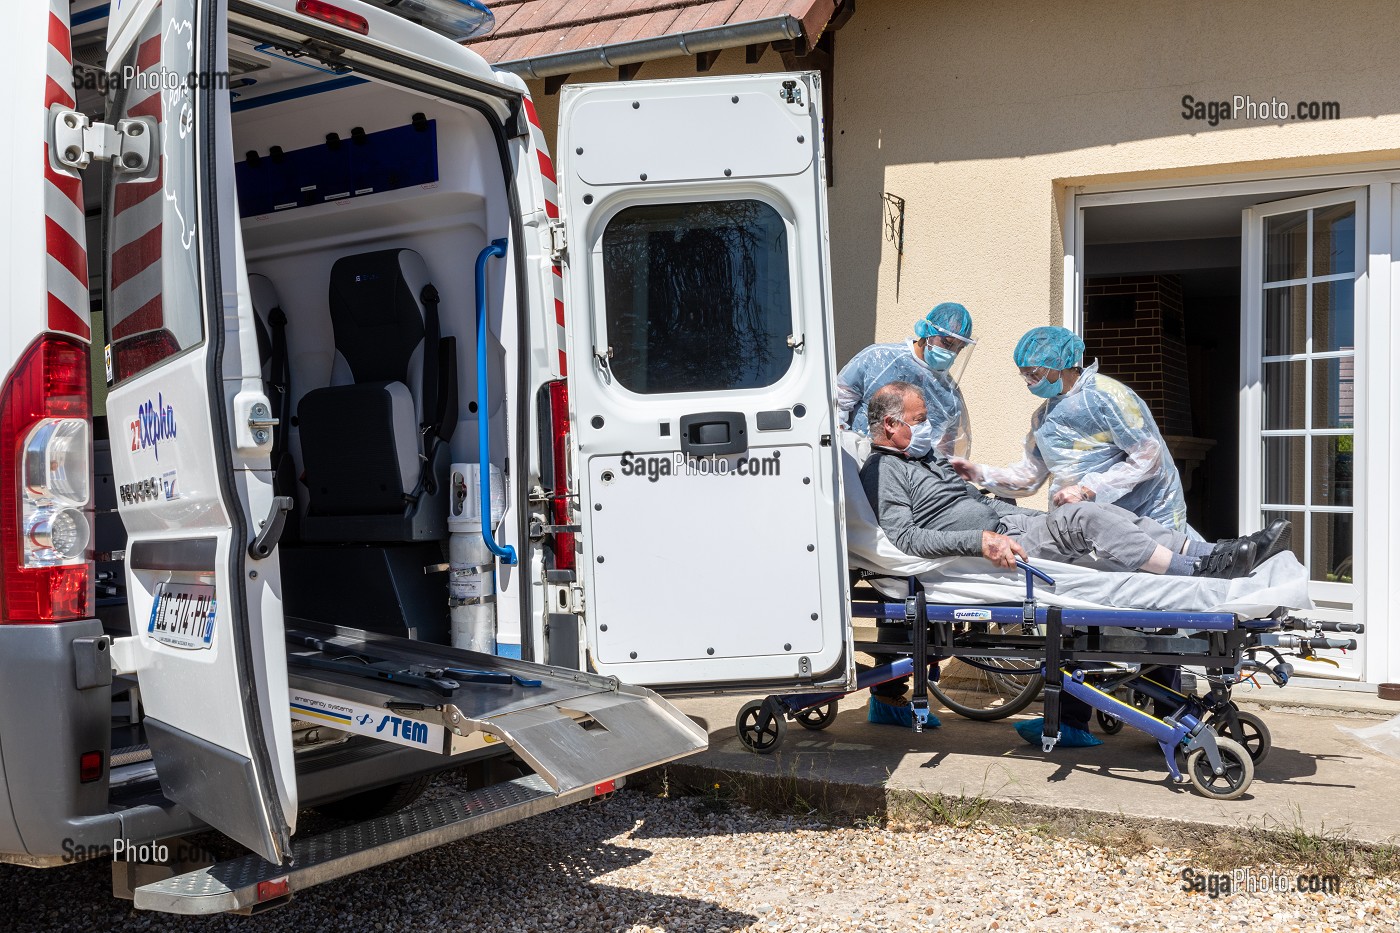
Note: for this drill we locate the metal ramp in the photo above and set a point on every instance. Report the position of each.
(581, 734)
(575, 730)
(249, 884)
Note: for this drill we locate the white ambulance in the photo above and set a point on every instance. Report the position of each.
(414, 446)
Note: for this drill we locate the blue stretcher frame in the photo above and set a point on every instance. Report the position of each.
(1076, 644)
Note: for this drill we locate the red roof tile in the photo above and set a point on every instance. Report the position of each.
(530, 29)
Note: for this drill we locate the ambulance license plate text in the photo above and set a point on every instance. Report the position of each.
(183, 616)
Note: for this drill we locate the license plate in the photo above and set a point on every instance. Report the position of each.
(183, 616)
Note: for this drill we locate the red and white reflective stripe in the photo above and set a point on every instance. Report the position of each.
(549, 184)
(64, 225)
(138, 208)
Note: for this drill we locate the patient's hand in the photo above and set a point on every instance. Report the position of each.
(1001, 550)
(965, 468)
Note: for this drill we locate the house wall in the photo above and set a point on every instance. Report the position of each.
(979, 116)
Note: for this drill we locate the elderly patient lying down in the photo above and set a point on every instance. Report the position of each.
(927, 510)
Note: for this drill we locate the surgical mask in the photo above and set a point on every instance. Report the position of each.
(920, 439)
(938, 358)
(1045, 389)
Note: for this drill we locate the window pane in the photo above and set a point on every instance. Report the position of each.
(1334, 239)
(1283, 470)
(1333, 316)
(1286, 246)
(1283, 395)
(1285, 320)
(1331, 546)
(697, 296)
(152, 303)
(1331, 470)
(1334, 386)
(1296, 541)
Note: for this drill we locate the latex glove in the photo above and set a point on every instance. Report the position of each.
(1001, 550)
(966, 469)
(1073, 494)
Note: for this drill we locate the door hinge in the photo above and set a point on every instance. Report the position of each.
(128, 145)
(576, 600)
(558, 241)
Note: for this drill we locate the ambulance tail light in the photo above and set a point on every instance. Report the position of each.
(564, 541)
(45, 499)
(329, 13)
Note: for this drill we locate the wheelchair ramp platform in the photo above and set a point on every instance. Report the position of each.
(249, 884)
(575, 730)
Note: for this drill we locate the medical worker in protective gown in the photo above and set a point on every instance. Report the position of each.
(933, 361)
(1093, 438)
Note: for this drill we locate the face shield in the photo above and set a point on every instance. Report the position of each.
(947, 352)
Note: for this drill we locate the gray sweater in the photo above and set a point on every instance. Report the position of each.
(926, 508)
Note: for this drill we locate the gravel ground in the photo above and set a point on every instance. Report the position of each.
(636, 863)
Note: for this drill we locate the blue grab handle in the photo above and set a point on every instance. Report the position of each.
(1031, 573)
(483, 425)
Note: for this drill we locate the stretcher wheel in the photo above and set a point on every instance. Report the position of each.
(757, 735)
(1254, 735)
(1110, 725)
(1238, 773)
(816, 718)
(974, 692)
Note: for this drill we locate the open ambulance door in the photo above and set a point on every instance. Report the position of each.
(192, 472)
(702, 382)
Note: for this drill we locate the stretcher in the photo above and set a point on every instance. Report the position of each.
(1102, 657)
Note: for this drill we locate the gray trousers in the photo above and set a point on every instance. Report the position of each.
(1091, 533)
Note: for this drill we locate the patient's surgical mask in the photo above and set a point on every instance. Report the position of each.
(920, 439)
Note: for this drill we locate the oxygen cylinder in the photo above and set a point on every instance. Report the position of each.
(471, 585)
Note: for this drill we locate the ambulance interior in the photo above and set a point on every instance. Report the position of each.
(361, 204)
(363, 209)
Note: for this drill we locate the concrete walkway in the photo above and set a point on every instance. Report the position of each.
(1315, 778)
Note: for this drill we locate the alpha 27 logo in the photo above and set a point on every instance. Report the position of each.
(154, 422)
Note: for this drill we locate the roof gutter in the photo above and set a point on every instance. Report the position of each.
(755, 32)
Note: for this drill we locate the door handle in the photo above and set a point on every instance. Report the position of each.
(714, 433)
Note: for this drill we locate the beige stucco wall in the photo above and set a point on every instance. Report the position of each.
(979, 115)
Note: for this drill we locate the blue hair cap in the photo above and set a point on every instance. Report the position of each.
(1051, 347)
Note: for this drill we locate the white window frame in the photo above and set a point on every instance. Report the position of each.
(1377, 467)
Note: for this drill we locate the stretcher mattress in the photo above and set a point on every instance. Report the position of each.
(1279, 582)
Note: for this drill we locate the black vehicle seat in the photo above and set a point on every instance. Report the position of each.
(374, 442)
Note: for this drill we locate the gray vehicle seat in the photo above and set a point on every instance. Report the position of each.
(374, 442)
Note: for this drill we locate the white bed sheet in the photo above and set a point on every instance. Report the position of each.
(1279, 582)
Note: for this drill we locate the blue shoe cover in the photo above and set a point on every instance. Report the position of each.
(888, 714)
(1070, 737)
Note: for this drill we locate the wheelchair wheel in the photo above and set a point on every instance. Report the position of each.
(1253, 734)
(985, 690)
(817, 718)
(757, 735)
(1236, 777)
(1110, 725)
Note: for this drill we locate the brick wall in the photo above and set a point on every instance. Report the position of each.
(1133, 325)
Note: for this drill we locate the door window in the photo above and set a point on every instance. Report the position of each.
(1308, 380)
(152, 299)
(697, 296)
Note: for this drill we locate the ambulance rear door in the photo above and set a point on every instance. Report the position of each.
(701, 382)
(191, 434)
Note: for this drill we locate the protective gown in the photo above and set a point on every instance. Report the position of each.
(1100, 435)
(880, 364)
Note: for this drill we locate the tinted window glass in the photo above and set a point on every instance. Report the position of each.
(698, 296)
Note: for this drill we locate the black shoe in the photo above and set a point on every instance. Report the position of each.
(1229, 560)
(1275, 539)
